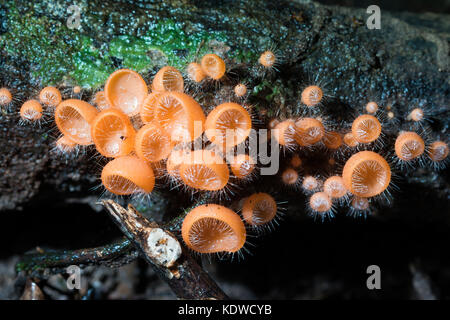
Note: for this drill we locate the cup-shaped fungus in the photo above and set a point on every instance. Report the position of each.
(349, 140)
(366, 174)
(212, 228)
(195, 72)
(320, 202)
(259, 208)
(5, 96)
(312, 96)
(332, 140)
(409, 146)
(310, 184)
(228, 125)
(308, 131)
(372, 107)
(438, 151)
(152, 144)
(334, 186)
(50, 96)
(268, 59)
(100, 101)
(147, 111)
(290, 177)
(128, 175)
(112, 133)
(31, 110)
(213, 66)
(242, 166)
(204, 170)
(366, 128)
(177, 157)
(168, 79)
(180, 116)
(126, 90)
(284, 132)
(65, 145)
(73, 118)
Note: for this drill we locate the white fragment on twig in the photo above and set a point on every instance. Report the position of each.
(163, 248)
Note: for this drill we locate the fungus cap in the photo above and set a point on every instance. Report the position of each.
(366, 174)
(147, 111)
(290, 177)
(5, 96)
(113, 133)
(73, 118)
(312, 96)
(334, 186)
(240, 90)
(267, 59)
(152, 144)
(284, 132)
(168, 79)
(50, 96)
(332, 140)
(416, 115)
(350, 140)
(372, 107)
(195, 72)
(366, 128)
(204, 170)
(310, 183)
(308, 131)
(409, 145)
(259, 208)
(213, 66)
(438, 151)
(228, 125)
(180, 116)
(320, 202)
(212, 228)
(31, 110)
(242, 166)
(126, 90)
(128, 175)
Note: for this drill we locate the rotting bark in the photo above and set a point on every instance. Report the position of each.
(162, 250)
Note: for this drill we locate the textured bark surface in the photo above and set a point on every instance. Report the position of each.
(405, 63)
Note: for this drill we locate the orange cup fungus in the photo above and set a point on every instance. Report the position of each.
(147, 111)
(242, 166)
(438, 151)
(296, 161)
(152, 144)
(50, 96)
(310, 183)
(320, 202)
(267, 59)
(349, 140)
(180, 116)
(409, 146)
(128, 175)
(195, 72)
(126, 90)
(366, 128)
(416, 115)
(308, 131)
(228, 125)
(332, 140)
(213, 66)
(290, 177)
(259, 209)
(73, 118)
(204, 170)
(65, 145)
(112, 133)
(5, 96)
(312, 96)
(371, 107)
(168, 79)
(284, 132)
(212, 228)
(31, 110)
(366, 174)
(240, 90)
(334, 186)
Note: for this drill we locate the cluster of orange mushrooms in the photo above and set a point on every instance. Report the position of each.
(153, 133)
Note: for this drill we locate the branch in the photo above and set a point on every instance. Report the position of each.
(162, 250)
